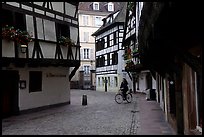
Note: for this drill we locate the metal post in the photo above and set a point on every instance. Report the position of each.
(84, 100)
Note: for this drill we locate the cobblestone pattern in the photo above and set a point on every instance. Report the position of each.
(101, 116)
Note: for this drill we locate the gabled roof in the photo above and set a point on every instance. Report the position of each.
(88, 6)
(120, 18)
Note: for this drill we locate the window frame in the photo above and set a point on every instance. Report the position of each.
(86, 53)
(86, 69)
(112, 5)
(96, 6)
(99, 20)
(85, 20)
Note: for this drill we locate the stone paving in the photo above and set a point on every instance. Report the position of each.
(101, 116)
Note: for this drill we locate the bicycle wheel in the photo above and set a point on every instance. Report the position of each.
(118, 98)
(129, 98)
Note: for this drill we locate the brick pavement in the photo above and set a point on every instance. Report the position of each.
(101, 116)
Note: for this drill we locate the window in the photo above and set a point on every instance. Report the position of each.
(95, 6)
(35, 81)
(86, 70)
(46, 29)
(86, 37)
(15, 19)
(100, 44)
(7, 18)
(110, 7)
(115, 58)
(86, 53)
(63, 30)
(50, 31)
(85, 20)
(98, 21)
(20, 21)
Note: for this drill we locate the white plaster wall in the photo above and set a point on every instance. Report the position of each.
(54, 89)
(30, 49)
(101, 87)
(154, 83)
(142, 82)
(64, 51)
(8, 49)
(112, 87)
(48, 49)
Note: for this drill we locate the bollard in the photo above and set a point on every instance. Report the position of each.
(84, 100)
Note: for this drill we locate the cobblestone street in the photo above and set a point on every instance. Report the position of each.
(101, 116)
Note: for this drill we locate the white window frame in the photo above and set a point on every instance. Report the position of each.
(110, 4)
(98, 21)
(96, 6)
(86, 53)
(85, 20)
(86, 69)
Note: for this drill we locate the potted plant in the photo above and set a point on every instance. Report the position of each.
(22, 37)
(135, 52)
(132, 8)
(11, 34)
(129, 65)
(65, 41)
(8, 33)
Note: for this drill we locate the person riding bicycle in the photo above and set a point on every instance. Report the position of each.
(124, 87)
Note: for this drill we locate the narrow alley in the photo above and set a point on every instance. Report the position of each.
(101, 116)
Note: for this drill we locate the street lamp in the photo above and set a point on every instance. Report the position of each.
(23, 48)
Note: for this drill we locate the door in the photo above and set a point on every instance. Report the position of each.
(10, 81)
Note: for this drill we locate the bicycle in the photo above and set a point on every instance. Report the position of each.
(119, 97)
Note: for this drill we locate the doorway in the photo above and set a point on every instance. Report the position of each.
(10, 80)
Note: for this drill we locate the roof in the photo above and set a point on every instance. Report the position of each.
(120, 18)
(87, 6)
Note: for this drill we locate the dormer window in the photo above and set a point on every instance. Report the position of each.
(110, 6)
(95, 6)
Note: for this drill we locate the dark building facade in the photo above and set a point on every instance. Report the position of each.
(170, 45)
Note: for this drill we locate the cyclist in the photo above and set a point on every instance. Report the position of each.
(124, 88)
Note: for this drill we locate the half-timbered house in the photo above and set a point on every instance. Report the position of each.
(40, 54)
(170, 43)
(141, 77)
(109, 51)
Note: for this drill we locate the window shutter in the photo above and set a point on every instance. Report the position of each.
(82, 53)
(92, 54)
